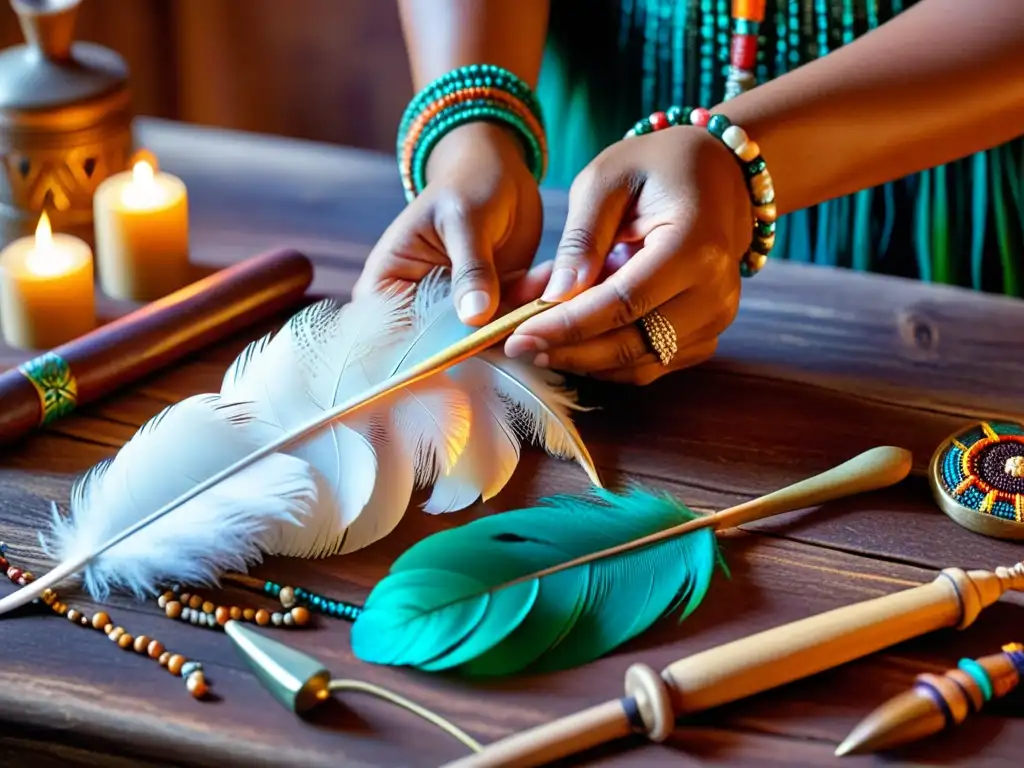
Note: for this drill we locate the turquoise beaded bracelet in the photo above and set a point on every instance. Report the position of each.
(468, 94)
(755, 173)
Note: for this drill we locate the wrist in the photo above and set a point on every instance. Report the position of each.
(477, 142)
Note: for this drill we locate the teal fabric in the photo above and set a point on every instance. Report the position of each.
(610, 62)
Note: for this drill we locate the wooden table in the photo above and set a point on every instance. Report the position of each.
(819, 366)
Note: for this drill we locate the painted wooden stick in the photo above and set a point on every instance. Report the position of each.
(461, 350)
(755, 664)
(937, 702)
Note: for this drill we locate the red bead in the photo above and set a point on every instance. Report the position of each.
(4, 564)
(700, 117)
(658, 121)
(744, 52)
(13, 573)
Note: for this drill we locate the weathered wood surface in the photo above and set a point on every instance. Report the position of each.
(819, 366)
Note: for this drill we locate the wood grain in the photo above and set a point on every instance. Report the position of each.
(820, 365)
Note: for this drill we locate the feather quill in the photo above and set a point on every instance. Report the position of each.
(488, 610)
(312, 491)
(558, 585)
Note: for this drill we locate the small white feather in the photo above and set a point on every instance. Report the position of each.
(221, 530)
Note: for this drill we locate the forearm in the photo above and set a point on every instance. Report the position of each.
(940, 81)
(441, 35)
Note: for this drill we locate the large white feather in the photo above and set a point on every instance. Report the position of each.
(224, 529)
(337, 490)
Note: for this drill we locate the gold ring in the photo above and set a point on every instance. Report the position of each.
(659, 335)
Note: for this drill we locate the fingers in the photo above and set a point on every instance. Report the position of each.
(652, 277)
(598, 200)
(696, 316)
(475, 287)
(647, 373)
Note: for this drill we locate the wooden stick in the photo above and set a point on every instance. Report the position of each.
(755, 664)
(461, 350)
(876, 468)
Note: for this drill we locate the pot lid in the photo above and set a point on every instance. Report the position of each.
(51, 70)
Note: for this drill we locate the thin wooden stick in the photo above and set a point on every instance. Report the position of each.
(461, 350)
(876, 468)
(755, 664)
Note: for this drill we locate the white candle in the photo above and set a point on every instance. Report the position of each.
(47, 296)
(141, 219)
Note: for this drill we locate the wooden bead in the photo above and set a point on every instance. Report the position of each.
(249, 614)
(262, 617)
(300, 615)
(49, 596)
(195, 602)
(185, 597)
(73, 615)
(108, 628)
(155, 649)
(236, 613)
(59, 608)
(164, 599)
(165, 657)
(100, 619)
(196, 684)
(125, 641)
(173, 609)
(116, 634)
(141, 644)
(287, 597)
(209, 607)
(222, 615)
(175, 663)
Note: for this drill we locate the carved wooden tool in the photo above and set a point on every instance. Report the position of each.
(937, 702)
(755, 664)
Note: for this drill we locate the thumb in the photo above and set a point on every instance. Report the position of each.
(475, 288)
(597, 203)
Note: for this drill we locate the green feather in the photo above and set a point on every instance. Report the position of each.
(445, 604)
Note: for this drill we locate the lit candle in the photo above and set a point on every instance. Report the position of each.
(141, 219)
(47, 295)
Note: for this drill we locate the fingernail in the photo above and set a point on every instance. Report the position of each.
(517, 345)
(562, 281)
(473, 304)
(541, 360)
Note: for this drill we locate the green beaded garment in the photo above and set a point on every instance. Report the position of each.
(610, 62)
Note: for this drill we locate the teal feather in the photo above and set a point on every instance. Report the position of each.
(979, 218)
(466, 599)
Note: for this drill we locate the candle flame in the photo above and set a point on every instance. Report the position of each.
(142, 173)
(45, 259)
(143, 191)
(44, 233)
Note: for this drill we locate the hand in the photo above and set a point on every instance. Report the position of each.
(676, 198)
(480, 214)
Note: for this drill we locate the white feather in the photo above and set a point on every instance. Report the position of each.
(221, 530)
(339, 489)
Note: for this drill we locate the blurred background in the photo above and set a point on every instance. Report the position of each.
(328, 70)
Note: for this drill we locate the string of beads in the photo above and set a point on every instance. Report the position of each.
(196, 610)
(175, 663)
(755, 172)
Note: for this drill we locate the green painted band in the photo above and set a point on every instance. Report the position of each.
(975, 670)
(55, 384)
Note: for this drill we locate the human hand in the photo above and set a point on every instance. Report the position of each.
(678, 199)
(480, 214)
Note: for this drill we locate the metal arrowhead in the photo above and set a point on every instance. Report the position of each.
(298, 681)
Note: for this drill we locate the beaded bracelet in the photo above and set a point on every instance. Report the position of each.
(468, 94)
(755, 173)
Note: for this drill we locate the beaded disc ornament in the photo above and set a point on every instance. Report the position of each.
(977, 476)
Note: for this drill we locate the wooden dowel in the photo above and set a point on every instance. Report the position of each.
(765, 660)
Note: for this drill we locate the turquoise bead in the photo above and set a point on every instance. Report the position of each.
(764, 228)
(755, 166)
(717, 125)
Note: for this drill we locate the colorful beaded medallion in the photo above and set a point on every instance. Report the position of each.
(981, 470)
